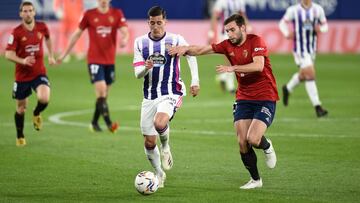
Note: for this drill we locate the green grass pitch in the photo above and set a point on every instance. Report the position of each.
(318, 159)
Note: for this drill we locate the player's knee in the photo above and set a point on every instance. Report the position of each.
(160, 123)
(150, 144)
(21, 109)
(253, 140)
(44, 100)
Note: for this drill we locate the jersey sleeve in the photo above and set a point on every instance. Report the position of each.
(182, 41)
(138, 58)
(258, 47)
(12, 42)
(122, 19)
(289, 14)
(219, 48)
(322, 16)
(46, 31)
(84, 23)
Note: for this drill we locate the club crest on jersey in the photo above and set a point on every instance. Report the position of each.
(39, 35)
(245, 53)
(23, 39)
(96, 20)
(158, 59)
(111, 19)
(103, 31)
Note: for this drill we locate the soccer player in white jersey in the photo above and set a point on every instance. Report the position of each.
(163, 88)
(309, 20)
(222, 10)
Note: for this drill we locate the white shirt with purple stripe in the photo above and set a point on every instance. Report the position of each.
(228, 8)
(304, 21)
(164, 78)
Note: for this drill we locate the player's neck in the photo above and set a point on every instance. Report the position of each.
(103, 9)
(30, 26)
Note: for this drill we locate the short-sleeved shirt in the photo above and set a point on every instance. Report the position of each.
(29, 43)
(102, 28)
(259, 86)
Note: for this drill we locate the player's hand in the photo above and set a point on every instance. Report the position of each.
(194, 90)
(149, 64)
(177, 51)
(317, 29)
(224, 69)
(52, 61)
(290, 36)
(123, 43)
(60, 59)
(29, 61)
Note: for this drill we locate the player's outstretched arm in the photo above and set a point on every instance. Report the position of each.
(124, 36)
(74, 38)
(192, 50)
(27, 61)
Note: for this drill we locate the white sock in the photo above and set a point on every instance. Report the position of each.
(230, 86)
(164, 138)
(154, 158)
(312, 91)
(294, 81)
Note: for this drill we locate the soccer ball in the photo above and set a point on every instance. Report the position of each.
(146, 182)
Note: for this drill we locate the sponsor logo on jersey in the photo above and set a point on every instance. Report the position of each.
(11, 39)
(103, 31)
(158, 59)
(23, 39)
(32, 48)
(259, 49)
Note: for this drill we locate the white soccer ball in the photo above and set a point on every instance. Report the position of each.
(146, 182)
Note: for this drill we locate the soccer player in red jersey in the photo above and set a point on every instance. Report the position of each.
(25, 49)
(102, 24)
(256, 94)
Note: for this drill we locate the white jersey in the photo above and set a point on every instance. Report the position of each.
(164, 78)
(304, 22)
(228, 8)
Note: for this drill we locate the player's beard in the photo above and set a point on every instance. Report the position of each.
(237, 41)
(28, 20)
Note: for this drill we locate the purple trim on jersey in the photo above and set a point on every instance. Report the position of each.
(155, 72)
(166, 71)
(176, 86)
(294, 38)
(300, 32)
(145, 52)
(307, 34)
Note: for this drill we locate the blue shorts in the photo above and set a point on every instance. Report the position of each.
(260, 110)
(100, 72)
(22, 90)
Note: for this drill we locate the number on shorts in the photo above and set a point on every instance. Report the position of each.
(94, 69)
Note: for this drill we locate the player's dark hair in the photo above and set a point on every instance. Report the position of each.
(239, 20)
(156, 11)
(25, 3)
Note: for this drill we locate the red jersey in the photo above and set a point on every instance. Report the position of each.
(256, 85)
(102, 28)
(29, 43)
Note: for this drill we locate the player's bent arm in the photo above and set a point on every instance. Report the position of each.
(11, 55)
(256, 66)
(140, 71)
(49, 46)
(193, 65)
(73, 39)
(284, 28)
(124, 36)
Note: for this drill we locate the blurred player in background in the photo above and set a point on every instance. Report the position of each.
(163, 88)
(102, 24)
(256, 96)
(308, 19)
(26, 50)
(69, 13)
(222, 10)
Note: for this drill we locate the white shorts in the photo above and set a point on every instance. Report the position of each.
(304, 61)
(166, 104)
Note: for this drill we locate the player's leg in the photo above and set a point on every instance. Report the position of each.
(247, 153)
(243, 113)
(21, 91)
(263, 117)
(148, 110)
(42, 89)
(308, 73)
(295, 80)
(19, 121)
(165, 112)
